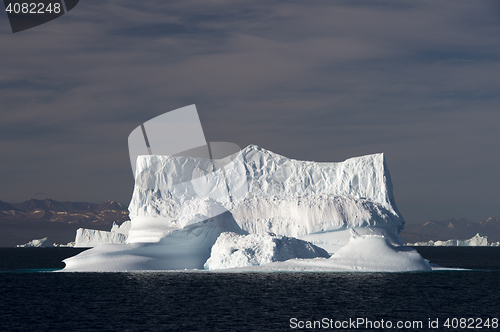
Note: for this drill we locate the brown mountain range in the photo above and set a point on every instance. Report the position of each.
(451, 229)
(32, 219)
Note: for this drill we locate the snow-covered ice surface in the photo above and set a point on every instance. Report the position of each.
(182, 248)
(181, 205)
(234, 250)
(477, 240)
(361, 254)
(369, 253)
(123, 228)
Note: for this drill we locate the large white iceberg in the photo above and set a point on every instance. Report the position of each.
(196, 204)
(181, 205)
(266, 192)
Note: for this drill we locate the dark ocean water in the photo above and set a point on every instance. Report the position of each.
(33, 300)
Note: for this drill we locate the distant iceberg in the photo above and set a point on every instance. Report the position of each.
(477, 240)
(43, 243)
(37, 243)
(86, 238)
(205, 208)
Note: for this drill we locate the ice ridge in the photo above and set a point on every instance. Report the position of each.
(265, 192)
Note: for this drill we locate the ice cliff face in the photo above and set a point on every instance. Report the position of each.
(255, 173)
(265, 192)
(271, 175)
(92, 238)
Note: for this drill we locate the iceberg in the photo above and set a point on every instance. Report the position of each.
(44, 243)
(375, 253)
(369, 253)
(266, 192)
(86, 238)
(213, 207)
(37, 243)
(234, 250)
(183, 248)
(91, 238)
(174, 226)
(477, 240)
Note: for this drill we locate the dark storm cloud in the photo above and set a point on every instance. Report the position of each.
(310, 80)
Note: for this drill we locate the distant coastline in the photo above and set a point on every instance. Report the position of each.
(36, 219)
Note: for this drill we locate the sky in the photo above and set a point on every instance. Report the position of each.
(311, 80)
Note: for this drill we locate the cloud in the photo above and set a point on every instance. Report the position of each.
(318, 80)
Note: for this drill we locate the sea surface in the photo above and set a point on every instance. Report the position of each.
(35, 298)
